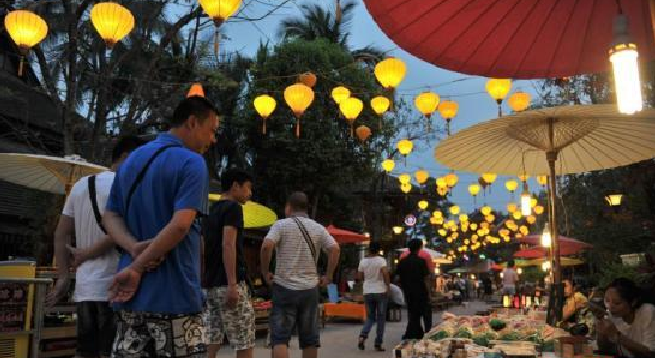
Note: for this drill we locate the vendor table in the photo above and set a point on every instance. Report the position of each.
(345, 310)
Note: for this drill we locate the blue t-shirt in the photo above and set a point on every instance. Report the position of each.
(176, 180)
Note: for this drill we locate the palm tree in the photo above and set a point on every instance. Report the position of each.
(317, 22)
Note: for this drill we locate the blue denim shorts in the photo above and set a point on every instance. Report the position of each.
(294, 309)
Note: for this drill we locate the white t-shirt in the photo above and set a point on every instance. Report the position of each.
(642, 329)
(509, 277)
(94, 276)
(373, 278)
(295, 267)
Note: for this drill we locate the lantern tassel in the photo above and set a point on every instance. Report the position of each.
(20, 66)
(448, 126)
(216, 42)
(264, 126)
(298, 128)
(352, 130)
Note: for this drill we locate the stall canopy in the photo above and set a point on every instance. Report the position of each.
(565, 261)
(563, 240)
(428, 254)
(346, 237)
(539, 252)
(254, 215)
(514, 39)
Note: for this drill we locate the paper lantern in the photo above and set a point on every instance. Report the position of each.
(380, 104)
(519, 101)
(388, 165)
(405, 146)
(298, 97)
(390, 72)
(441, 182)
(363, 132)
(437, 214)
(26, 29)
(397, 230)
(351, 108)
(463, 218)
(542, 180)
(489, 178)
(443, 191)
(474, 226)
(196, 90)
(485, 210)
(406, 187)
(511, 207)
(340, 93)
(538, 209)
(220, 10)
(404, 178)
(264, 105)
(474, 189)
(451, 179)
(421, 176)
(443, 232)
(427, 103)
(533, 203)
(454, 209)
(112, 21)
(490, 218)
(448, 109)
(530, 219)
(517, 215)
(308, 79)
(511, 185)
(423, 204)
(498, 88)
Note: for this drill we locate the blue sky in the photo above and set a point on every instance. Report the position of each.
(475, 108)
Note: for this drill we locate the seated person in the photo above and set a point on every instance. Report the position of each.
(629, 331)
(575, 303)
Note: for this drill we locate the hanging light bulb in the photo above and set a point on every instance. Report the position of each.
(526, 201)
(545, 236)
(623, 56)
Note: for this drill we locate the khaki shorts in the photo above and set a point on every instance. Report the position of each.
(237, 323)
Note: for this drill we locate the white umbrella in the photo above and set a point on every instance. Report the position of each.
(52, 174)
(556, 140)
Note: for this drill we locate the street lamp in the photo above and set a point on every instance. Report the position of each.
(614, 200)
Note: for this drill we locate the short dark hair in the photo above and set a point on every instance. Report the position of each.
(510, 263)
(125, 145)
(298, 201)
(628, 290)
(199, 107)
(374, 247)
(414, 245)
(231, 176)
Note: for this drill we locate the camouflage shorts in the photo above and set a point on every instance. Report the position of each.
(159, 335)
(237, 323)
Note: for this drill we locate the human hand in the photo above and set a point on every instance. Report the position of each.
(268, 278)
(325, 280)
(232, 297)
(607, 329)
(57, 292)
(78, 256)
(124, 285)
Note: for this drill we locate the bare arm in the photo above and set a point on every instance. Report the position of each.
(360, 276)
(63, 234)
(99, 248)
(266, 254)
(333, 259)
(167, 239)
(230, 254)
(386, 277)
(116, 228)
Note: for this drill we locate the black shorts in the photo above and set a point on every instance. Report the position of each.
(96, 328)
(294, 309)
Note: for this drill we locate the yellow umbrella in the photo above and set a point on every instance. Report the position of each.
(254, 214)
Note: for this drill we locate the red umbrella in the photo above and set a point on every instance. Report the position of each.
(563, 241)
(346, 237)
(496, 267)
(422, 254)
(538, 252)
(513, 38)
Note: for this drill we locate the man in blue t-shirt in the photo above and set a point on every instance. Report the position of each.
(157, 195)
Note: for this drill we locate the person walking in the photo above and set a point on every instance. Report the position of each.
(158, 194)
(510, 277)
(297, 241)
(94, 255)
(375, 274)
(414, 280)
(229, 311)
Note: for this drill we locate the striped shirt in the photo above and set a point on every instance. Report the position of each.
(295, 268)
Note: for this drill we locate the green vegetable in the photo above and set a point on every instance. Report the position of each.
(497, 324)
(463, 333)
(440, 335)
(481, 340)
(512, 336)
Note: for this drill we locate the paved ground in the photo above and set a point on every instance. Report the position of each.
(339, 339)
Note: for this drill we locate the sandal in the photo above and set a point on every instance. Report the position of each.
(360, 345)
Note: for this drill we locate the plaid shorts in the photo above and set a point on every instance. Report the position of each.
(141, 335)
(237, 323)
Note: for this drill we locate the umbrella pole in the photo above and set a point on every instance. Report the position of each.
(555, 311)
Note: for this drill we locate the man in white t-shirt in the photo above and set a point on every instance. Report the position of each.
(375, 274)
(94, 256)
(510, 277)
(297, 240)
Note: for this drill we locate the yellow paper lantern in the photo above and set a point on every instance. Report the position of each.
(423, 204)
(463, 218)
(390, 72)
(340, 93)
(112, 21)
(196, 90)
(363, 132)
(498, 88)
(351, 108)
(454, 209)
(406, 187)
(438, 221)
(298, 97)
(448, 109)
(530, 219)
(464, 226)
(533, 202)
(504, 232)
(485, 210)
(451, 179)
(264, 105)
(542, 180)
(474, 189)
(538, 209)
(519, 101)
(524, 178)
(434, 221)
(437, 214)
(506, 238)
(388, 165)
(443, 232)
(405, 146)
(489, 178)
(26, 29)
(511, 207)
(490, 218)
(404, 178)
(511, 185)
(509, 222)
(443, 191)
(220, 10)
(474, 226)
(397, 230)
(516, 215)
(523, 229)
(427, 103)
(380, 105)
(449, 240)
(441, 182)
(421, 176)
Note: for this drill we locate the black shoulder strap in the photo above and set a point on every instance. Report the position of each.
(142, 174)
(94, 202)
(307, 238)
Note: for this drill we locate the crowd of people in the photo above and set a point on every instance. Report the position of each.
(160, 274)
